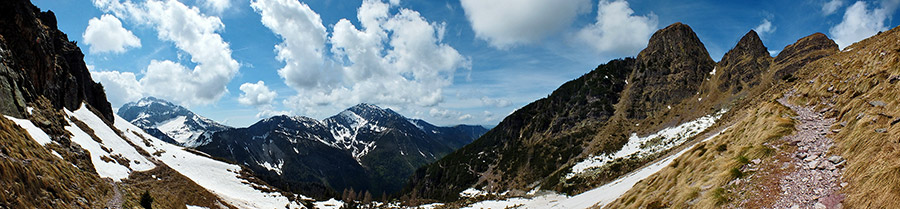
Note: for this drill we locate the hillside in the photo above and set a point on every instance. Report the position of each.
(845, 101)
(537, 146)
(63, 148)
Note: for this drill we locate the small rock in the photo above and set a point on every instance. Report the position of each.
(835, 130)
(819, 205)
(831, 88)
(835, 159)
(755, 161)
(860, 115)
(881, 130)
(813, 164)
(844, 184)
(844, 124)
(877, 103)
(795, 207)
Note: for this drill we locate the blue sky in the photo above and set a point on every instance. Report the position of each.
(448, 62)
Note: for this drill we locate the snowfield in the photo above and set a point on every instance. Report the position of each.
(108, 140)
(218, 177)
(603, 195)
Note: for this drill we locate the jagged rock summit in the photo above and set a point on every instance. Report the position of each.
(741, 66)
(668, 71)
(804, 51)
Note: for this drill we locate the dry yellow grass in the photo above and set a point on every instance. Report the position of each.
(696, 179)
(856, 81)
(865, 72)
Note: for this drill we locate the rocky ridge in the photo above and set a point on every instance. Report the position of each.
(38, 60)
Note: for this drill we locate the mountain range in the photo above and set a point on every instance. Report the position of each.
(365, 147)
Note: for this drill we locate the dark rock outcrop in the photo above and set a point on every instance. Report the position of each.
(742, 66)
(804, 51)
(669, 70)
(36, 59)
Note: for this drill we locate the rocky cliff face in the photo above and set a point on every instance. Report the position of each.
(668, 71)
(36, 59)
(742, 66)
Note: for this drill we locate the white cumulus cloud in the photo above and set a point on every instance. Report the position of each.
(217, 6)
(831, 6)
(393, 59)
(618, 30)
(192, 32)
(256, 94)
(506, 23)
(120, 87)
(764, 28)
(106, 34)
(859, 22)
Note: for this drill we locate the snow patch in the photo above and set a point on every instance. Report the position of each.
(273, 167)
(36, 133)
(472, 193)
(594, 198)
(639, 147)
(329, 204)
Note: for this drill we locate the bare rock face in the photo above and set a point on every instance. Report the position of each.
(669, 70)
(742, 66)
(36, 59)
(804, 51)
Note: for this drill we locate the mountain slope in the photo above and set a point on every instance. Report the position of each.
(854, 89)
(667, 95)
(365, 148)
(169, 122)
(61, 146)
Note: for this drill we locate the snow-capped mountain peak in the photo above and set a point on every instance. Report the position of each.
(170, 122)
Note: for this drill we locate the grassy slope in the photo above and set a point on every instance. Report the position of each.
(32, 177)
(859, 76)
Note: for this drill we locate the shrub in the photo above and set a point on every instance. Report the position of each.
(146, 200)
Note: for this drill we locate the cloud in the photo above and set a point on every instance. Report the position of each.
(464, 117)
(256, 94)
(120, 87)
(303, 41)
(764, 28)
(859, 22)
(506, 23)
(487, 101)
(192, 32)
(617, 30)
(831, 6)
(389, 59)
(107, 35)
(217, 6)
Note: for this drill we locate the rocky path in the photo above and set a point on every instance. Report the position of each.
(816, 181)
(116, 201)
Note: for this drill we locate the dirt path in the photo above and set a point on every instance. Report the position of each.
(116, 201)
(816, 181)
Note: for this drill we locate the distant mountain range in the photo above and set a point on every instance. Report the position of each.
(365, 147)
